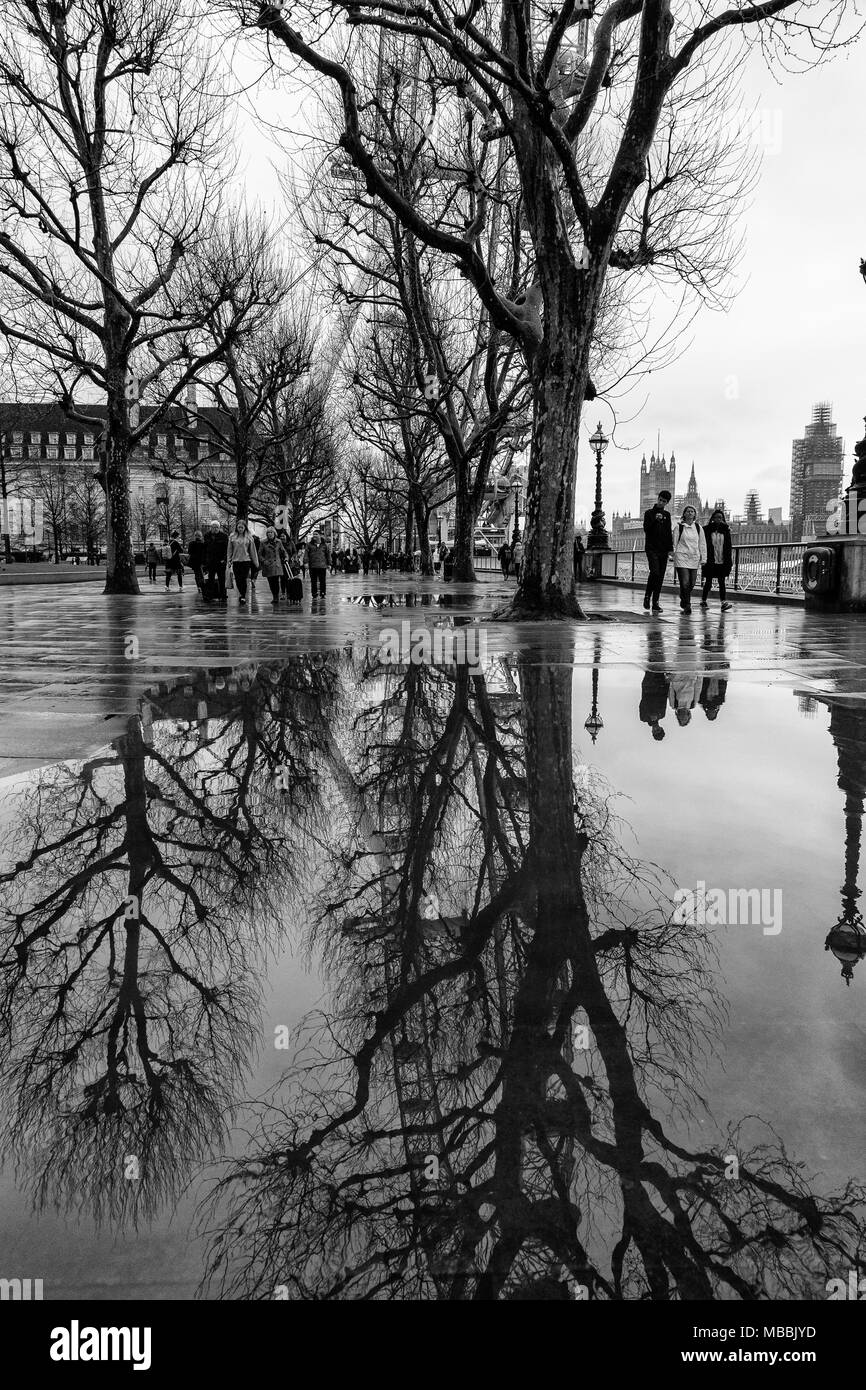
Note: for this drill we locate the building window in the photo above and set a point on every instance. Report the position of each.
(36, 439)
(68, 453)
(17, 437)
(161, 441)
(70, 439)
(203, 449)
(87, 453)
(52, 453)
(54, 439)
(88, 439)
(15, 452)
(33, 453)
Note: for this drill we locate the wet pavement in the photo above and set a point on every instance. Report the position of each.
(73, 665)
(529, 972)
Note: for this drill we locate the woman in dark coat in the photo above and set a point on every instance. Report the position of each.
(719, 557)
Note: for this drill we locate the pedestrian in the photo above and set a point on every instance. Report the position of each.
(517, 559)
(579, 552)
(336, 562)
(286, 542)
(151, 559)
(171, 554)
(720, 557)
(318, 559)
(196, 560)
(448, 564)
(215, 558)
(690, 552)
(658, 545)
(503, 555)
(274, 562)
(301, 558)
(242, 557)
(365, 562)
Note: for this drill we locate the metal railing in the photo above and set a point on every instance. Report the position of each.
(758, 569)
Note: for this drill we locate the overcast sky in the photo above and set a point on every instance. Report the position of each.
(796, 333)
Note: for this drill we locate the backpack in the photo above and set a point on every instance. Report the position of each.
(166, 552)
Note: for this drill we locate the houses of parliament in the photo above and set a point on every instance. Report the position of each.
(660, 475)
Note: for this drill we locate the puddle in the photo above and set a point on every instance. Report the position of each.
(428, 960)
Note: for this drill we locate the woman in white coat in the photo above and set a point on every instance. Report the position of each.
(690, 552)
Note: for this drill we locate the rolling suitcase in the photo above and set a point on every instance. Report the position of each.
(296, 588)
(210, 589)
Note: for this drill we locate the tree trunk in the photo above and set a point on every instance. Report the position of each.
(243, 490)
(120, 577)
(422, 521)
(464, 527)
(407, 530)
(547, 585)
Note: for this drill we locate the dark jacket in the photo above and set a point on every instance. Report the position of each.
(653, 697)
(196, 553)
(271, 557)
(318, 555)
(216, 548)
(658, 532)
(175, 562)
(710, 569)
(712, 696)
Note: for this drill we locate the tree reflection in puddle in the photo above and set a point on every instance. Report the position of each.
(494, 1099)
(139, 915)
(491, 1104)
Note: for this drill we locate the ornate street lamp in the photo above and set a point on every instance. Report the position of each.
(598, 538)
(516, 485)
(594, 722)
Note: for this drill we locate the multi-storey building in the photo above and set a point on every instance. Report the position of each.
(53, 460)
(655, 477)
(816, 468)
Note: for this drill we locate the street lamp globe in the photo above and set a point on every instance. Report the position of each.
(599, 440)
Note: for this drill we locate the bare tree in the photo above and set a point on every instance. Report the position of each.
(109, 138)
(306, 452)
(385, 414)
(86, 511)
(462, 374)
(259, 339)
(523, 84)
(49, 485)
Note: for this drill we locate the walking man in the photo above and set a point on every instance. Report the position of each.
(318, 559)
(659, 544)
(216, 547)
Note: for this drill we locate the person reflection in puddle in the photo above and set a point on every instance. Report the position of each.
(712, 697)
(654, 689)
(684, 688)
